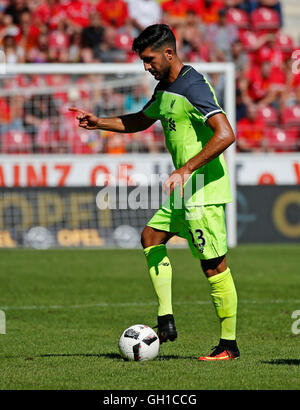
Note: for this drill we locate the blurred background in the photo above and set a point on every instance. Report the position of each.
(51, 171)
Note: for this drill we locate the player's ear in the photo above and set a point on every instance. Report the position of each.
(169, 53)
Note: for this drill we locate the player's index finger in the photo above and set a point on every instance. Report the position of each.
(75, 109)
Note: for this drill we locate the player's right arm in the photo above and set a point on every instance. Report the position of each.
(124, 123)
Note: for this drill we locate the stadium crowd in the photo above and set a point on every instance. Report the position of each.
(249, 33)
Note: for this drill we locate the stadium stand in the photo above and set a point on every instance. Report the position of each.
(16, 142)
(238, 17)
(249, 33)
(264, 20)
(268, 115)
(282, 140)
(291, 116)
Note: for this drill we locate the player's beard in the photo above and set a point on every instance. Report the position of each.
(164, 72)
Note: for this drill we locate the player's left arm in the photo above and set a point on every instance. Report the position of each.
(222, 138)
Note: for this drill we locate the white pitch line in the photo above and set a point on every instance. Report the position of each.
(105, 305)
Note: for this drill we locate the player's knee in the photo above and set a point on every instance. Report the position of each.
(214, 266)
(147, 237)
(152, 237)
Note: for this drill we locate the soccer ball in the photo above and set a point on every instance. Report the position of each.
(139, 343)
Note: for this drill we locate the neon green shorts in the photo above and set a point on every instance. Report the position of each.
(203, 226)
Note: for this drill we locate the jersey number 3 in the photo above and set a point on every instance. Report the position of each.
(198, 239)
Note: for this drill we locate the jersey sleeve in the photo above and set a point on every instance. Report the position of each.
(202, 96)
(150, 108)
(147, 108)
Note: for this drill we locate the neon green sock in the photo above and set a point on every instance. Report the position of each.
(160, 271)
(224, 298)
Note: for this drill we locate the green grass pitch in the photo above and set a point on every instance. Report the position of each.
(65, 311)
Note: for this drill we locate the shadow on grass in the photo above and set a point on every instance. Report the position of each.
(107, 355)
(175, 357)
(113, 356)
(289, 362)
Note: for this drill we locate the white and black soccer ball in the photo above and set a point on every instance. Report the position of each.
(139, 343)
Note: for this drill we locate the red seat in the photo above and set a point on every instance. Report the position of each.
(268, 115)
(290, 116)
(47, 136)
(237, 17)
(249, 40)
(83, 142)
(16, 142)
(124, 41)
(264, 18)
(281, 139)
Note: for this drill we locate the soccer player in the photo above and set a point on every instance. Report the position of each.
(197, 132)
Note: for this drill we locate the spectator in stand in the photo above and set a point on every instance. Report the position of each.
(37, 109)
(4, 115)
(250, 131)
(30, 31)
(8, 28)
(63, 56)
(92, 35)
(114, 142)
(87, 56)
(78, 13)
(16, 114)
(209, 10)
(113, 12)
(58, 39)
(263, 85)
(241, 107)
(50, 12)
(75, 47)
(136, 100)
(194, 47)
(239, 58)
(176, 8)
(269, 52)
(221, 35)
(144, 13)
(42, 11)
(40, 52)
(16, 8)
(217, 80)
(176, 11)
(107, 51)
(107, 105)
(13, 53)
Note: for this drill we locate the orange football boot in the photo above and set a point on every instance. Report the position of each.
(221, 352)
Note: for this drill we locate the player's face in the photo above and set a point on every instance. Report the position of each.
(156, 62)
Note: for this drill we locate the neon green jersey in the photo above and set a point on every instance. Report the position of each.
(183, 108)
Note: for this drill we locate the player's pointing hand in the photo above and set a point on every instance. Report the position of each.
(87, 120)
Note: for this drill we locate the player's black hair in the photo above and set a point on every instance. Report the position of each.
(154, 36)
